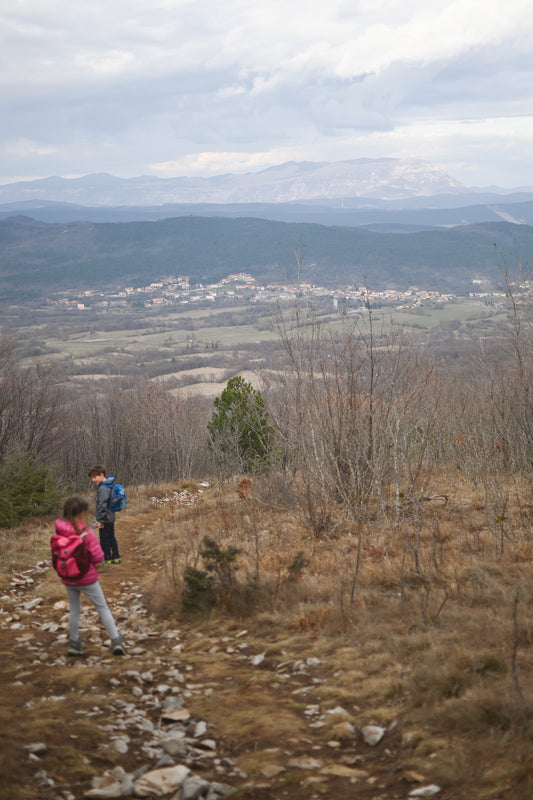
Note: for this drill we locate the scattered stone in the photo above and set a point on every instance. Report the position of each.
(302, 690)
(41, 779)
(208, 744)
(132, 673)
(193, 787)
(272, 770)
(218, 790)
(306, 762)
(121, 746)
(165, 761)
(200, 730)
(338, 711)
(373, 734)
(425, 791)
(256, 660)
(37, 748)
(159, 782)
(414, 777)
(175, 675)
(174, 747)
(172, 704)
(342, 771)
(105, 788)
(179, 715)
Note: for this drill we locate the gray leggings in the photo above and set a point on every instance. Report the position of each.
(96, 596)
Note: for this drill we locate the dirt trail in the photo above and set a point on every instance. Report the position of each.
(264, 729)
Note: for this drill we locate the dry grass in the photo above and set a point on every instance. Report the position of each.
(432, 642)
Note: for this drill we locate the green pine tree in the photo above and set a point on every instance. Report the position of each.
(241, 436)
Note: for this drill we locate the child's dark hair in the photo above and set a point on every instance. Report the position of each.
(98, 469)
(73, 507)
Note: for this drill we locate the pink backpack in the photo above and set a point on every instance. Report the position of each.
(70, 557)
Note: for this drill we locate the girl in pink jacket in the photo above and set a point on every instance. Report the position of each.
(75, 519)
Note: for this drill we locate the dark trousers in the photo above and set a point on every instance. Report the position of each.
(108, 541)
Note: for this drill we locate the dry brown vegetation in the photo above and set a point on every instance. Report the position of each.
(445, 650)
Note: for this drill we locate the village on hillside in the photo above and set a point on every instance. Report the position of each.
(242, 288)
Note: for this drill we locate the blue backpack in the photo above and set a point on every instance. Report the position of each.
(117, 498)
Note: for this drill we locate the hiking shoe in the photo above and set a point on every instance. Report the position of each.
(75, 649)
(116, 561)
(117, 648)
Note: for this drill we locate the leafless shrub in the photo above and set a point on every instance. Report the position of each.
(31, 407)
(140, 431)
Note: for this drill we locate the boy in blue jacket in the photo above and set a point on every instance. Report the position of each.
(104, 516)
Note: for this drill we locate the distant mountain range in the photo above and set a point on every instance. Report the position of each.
(386, 179)
(387, 195)
(383, 216)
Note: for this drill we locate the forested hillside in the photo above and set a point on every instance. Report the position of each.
(38, 258)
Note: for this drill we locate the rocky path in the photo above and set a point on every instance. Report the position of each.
(185, 714)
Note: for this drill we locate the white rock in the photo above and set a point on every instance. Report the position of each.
(121, 746)
(256, 660)
(209, 744)
(104, 788)
(179, 715)
(200, 730)
(338, 711)
(306, 762)
(193, 787)
(174, 747)
(37, 748)
(160, 782)
(425, 791)
(175, 675)
(372, 734)
(132, 673)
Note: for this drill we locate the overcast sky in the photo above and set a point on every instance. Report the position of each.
(203, 87)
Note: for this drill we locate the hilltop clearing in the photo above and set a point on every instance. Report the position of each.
(307, 679)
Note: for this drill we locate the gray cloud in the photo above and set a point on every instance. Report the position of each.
(120, 86)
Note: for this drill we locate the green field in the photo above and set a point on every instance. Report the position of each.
(130, 341)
